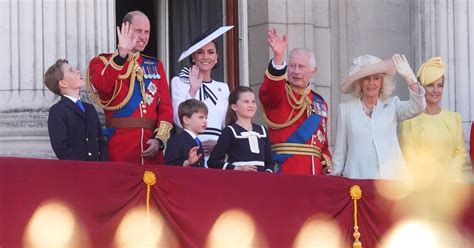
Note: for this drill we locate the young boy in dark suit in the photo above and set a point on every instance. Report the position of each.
(185, 149)
(73, 125)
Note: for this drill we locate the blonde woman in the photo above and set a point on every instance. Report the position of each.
(435, 137)
(366, 137)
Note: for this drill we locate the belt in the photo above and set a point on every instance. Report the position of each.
(131, 122)
(297, 149)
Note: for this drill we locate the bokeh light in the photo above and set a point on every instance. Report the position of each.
(319, 231)
(52, 225)
(422, 233)
(138, 229)
(234, 228)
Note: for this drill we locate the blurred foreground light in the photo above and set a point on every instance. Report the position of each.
(137, 229)
(52, 225)
(234, 228)
(319, 231)
(421, 233)
(393, 190)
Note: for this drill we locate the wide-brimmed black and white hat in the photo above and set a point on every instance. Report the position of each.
(202, 42)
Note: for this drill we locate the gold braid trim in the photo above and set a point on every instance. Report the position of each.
(304, 105)
(298, 149)
(113, 64)
(132, 70)
(356, 194)
(275, 78)
(327, 161)
(149, 179)
(163, 131)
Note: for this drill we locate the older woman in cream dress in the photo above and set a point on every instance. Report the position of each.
(434, 139)
(366, 135)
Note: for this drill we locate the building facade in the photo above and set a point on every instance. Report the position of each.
(36, 33)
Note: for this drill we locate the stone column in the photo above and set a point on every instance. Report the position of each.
(34, 34)
(442, 28)
(305, 22)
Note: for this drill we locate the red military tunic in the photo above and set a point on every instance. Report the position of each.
(280, 105)
(137, 104)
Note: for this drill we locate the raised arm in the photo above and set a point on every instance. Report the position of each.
(404, 69)
(272, 91)
(126, 40)
(417, 103)
(277, 45)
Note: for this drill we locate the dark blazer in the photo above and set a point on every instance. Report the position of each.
(75, 135)
(178, 147)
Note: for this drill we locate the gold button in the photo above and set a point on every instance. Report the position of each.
(90, 154)
(144, 111)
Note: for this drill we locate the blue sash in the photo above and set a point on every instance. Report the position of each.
(302, 134)
(136, 97)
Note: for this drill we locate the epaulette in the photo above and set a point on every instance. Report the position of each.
(105, 54)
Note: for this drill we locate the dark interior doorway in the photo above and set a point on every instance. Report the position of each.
(148, 7)
(183, 14)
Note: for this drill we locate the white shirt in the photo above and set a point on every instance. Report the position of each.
(216, 102)
(73, 99)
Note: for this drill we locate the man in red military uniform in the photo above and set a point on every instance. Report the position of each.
(296, 115)
(133, 90)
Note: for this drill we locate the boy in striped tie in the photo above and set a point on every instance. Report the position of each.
(74, 129)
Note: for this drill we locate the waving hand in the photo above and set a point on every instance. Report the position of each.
(278, 45)
(126, 39)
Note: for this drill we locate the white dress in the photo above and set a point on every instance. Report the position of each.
(368, 148)
(214, 94)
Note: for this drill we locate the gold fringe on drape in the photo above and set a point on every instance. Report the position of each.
(356, 194)
(150, 179)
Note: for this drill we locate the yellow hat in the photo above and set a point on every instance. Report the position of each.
(431, 70)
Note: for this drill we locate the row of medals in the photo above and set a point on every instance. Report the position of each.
(149, 72)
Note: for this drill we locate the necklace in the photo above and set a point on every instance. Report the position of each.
(368, 111)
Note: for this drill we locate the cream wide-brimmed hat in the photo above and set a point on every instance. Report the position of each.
(364, 66)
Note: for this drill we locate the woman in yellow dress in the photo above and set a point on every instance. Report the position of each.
(433, 139)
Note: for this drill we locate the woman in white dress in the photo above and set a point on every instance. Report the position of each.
(366, 136)
(197, 83)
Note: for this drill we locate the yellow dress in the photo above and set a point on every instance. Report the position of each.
(435, 141)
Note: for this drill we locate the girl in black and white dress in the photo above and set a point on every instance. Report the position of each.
(243, 145)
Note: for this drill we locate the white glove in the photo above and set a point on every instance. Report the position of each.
(403, 68)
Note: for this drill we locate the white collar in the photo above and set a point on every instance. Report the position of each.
(191, 133)
(73, 99)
